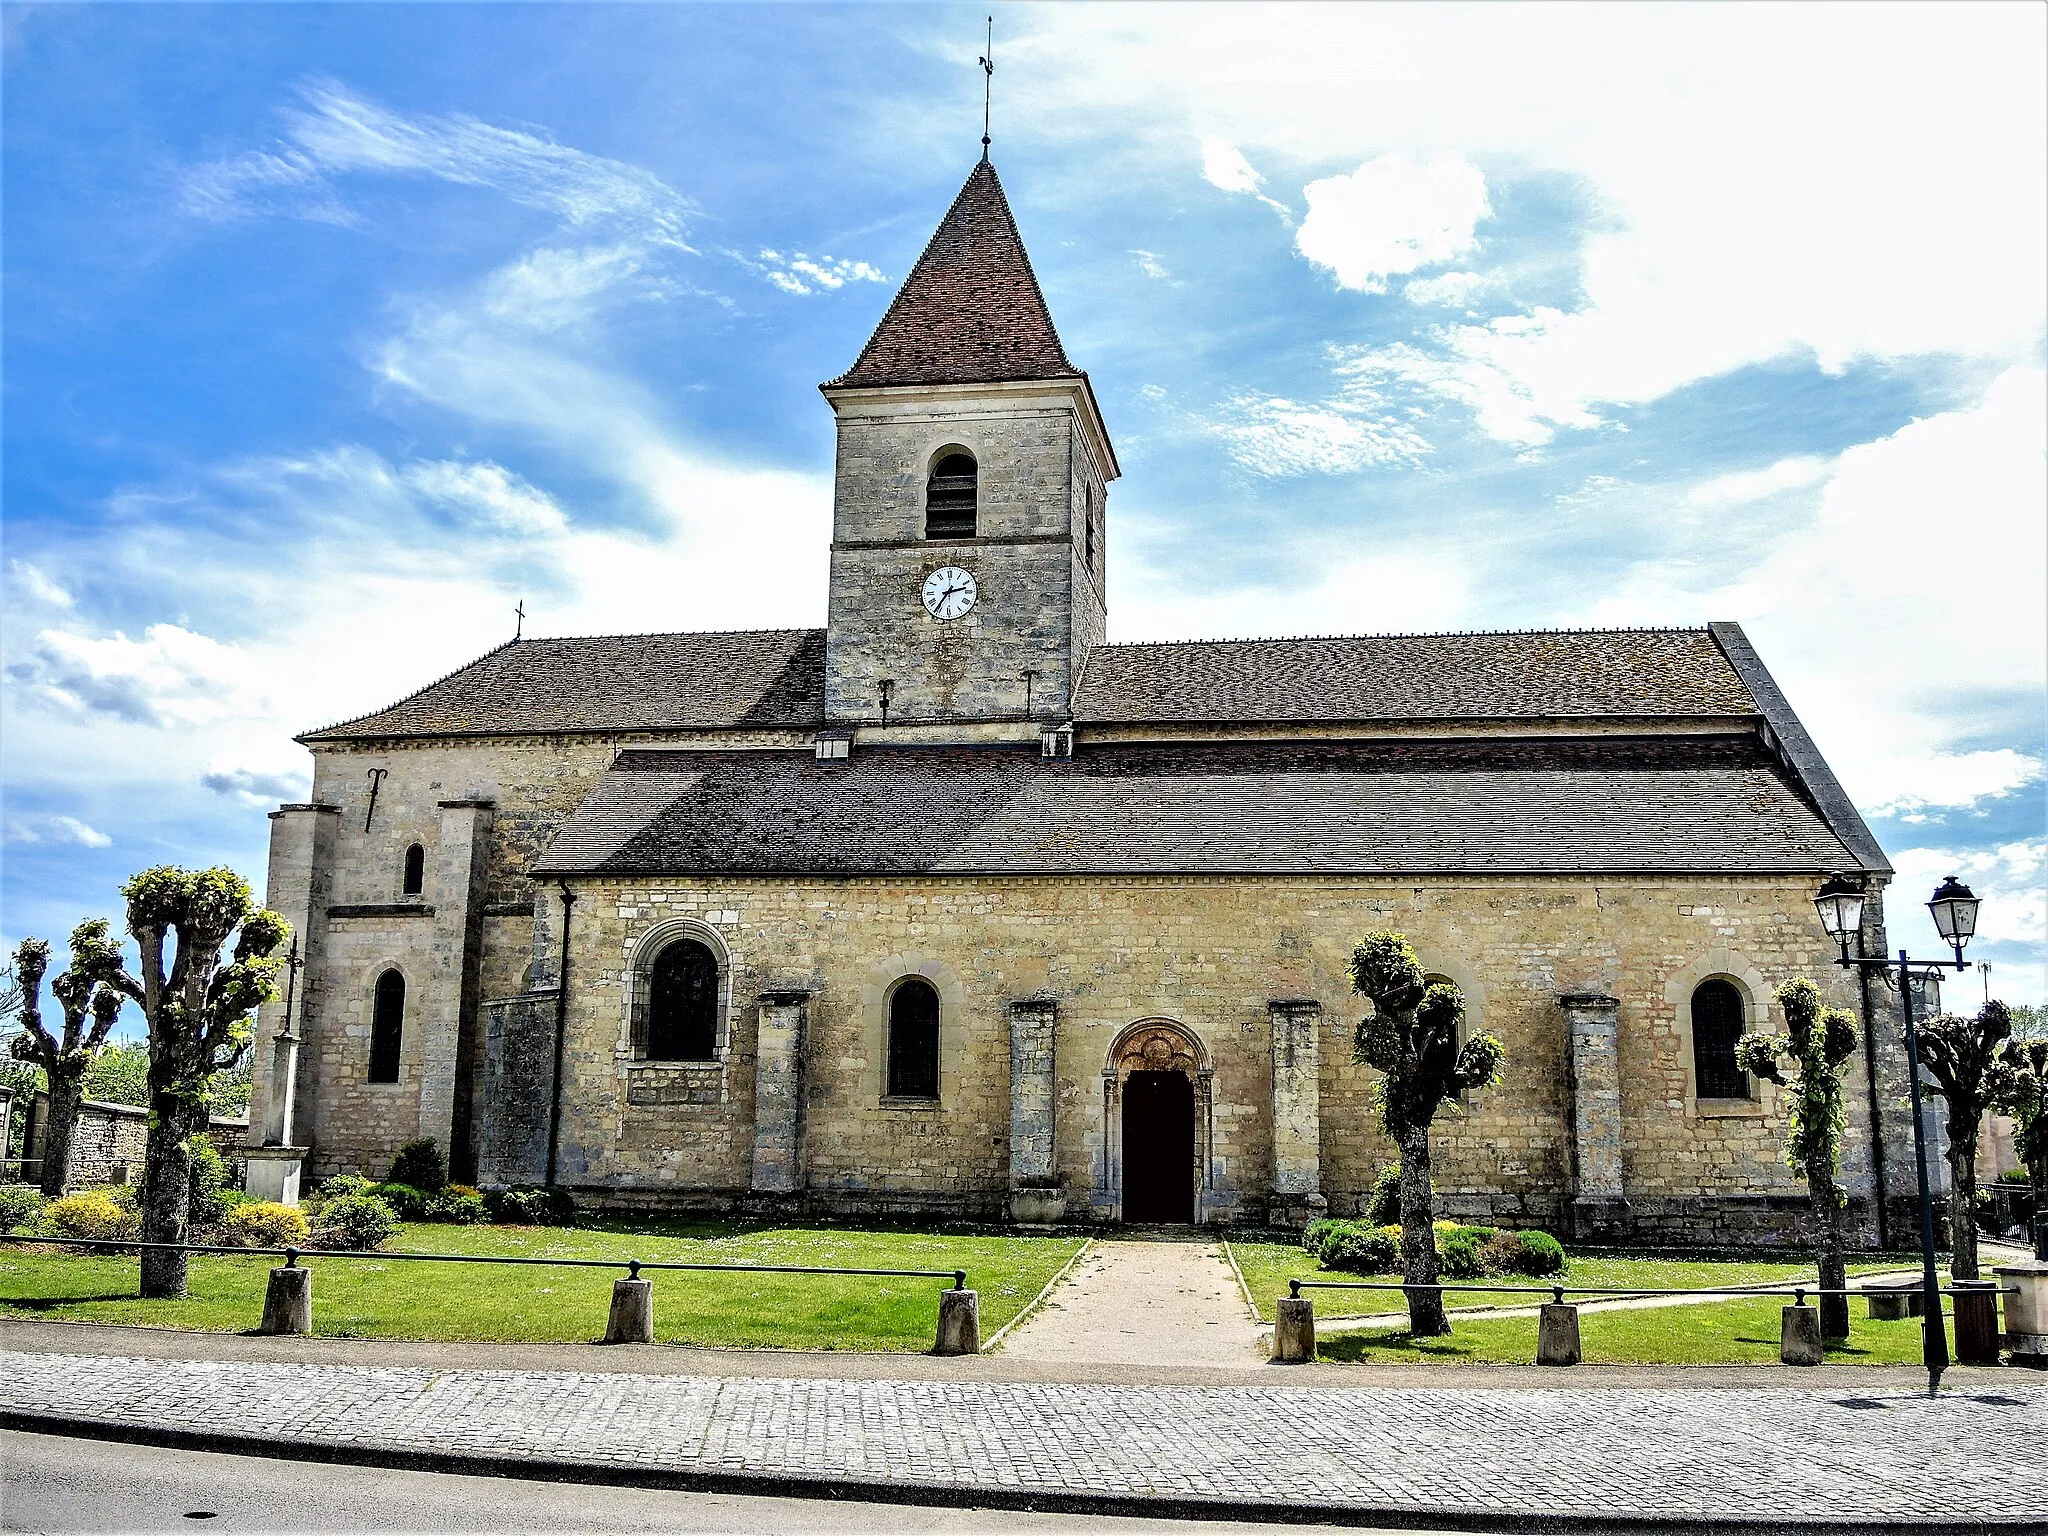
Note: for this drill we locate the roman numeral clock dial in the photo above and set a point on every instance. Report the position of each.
(949, 592)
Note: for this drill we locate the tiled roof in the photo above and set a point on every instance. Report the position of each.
(1641, 673)
(971, 311)
(762, 678)
(1693, 804)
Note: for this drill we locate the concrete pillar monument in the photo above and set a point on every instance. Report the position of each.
(779, 1093)
(1297, 1110)
(1599, 1206)
(1035, 1196)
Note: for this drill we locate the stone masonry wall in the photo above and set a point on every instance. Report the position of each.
(1209, 953)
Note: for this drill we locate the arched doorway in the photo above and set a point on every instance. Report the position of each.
(1159, 1143)
(1155, 1087)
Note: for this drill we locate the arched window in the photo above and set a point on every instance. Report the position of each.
(682, 1004)
(415, 870)
(914, 1040)
(950, 497)
(387, 1027)
(1719, 1019)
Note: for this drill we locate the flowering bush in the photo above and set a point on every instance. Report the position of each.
(93, 1214)
(265, 1224)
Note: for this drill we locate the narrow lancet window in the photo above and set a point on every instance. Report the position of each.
(387, 1027)
(914, 1041)
(415, 870)
(951, 497)
(1718, 1021)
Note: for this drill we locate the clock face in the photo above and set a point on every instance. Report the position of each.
(949, 592)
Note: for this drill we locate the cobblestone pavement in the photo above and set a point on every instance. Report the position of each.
(1169, 1302)
(1679, 1454)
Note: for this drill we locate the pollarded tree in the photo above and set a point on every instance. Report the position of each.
(1965, 1057)
(1411, 1037)
(2026, 1100)
(198, 1014)
(90, 1004)
(1816, 1043)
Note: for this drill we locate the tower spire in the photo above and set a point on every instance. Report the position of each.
(988, 80)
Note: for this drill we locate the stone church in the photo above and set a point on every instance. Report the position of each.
(955, 907)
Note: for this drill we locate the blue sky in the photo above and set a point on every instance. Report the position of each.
(332, 332)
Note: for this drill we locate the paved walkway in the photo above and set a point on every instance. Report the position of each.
(1817, 1458)
(1168, 1301)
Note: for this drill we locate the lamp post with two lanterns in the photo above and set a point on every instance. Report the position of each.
(1954, 907)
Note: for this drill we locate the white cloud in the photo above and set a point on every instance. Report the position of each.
(172, 676)
(56, 829)
(1274, 436)
(1748, 486)
(248, 786)
(1225, 168)
(488, 492)
(800, 274)
(1903, 616)
(32, 586)
(1395, 213)
(2012, 882)
(1150, 264)
(1870, 187)
(1395, 591)
(336, 132)
(1455, 290)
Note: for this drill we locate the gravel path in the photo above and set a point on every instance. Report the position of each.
(1167, 1302)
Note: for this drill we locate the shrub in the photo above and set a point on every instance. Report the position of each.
(1538, 1254)
(209, 1180)
(354, 1221)
(1317, 1232)
(337, 1187)
(1362, 1250)
(2015, 1176)
(1383, 1207)
(411, 1204)
(461, 1205)
(1459, 1252)
(92, 1213)
(530, 1205)
(20, 1205)
(420, 1164)
(266, 1224)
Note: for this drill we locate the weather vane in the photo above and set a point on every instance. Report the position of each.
(988, 80)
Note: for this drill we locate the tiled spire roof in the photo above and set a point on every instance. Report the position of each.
(970, 312)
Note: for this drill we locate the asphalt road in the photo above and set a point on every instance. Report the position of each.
(55, 1483)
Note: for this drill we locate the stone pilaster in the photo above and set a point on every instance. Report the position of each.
(445, 1012)
(1297, 1110)
(779, 1093)
(295, 887)
(1593, 1055)
(1033, 1195)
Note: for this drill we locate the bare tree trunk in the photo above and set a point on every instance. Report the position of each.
(166, 1206)
(1426, 1317)
(1827, 1242)
(2037, 1176)
(1962, 1201)
(67, 1091)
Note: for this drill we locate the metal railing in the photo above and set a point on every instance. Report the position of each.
(292, 1254)
(1557, 1293)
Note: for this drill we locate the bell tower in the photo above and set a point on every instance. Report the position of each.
(970, 491)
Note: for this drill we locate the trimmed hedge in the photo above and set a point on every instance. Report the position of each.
(1463, 1253)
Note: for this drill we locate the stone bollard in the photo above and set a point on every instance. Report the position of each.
(288, 1301)
(1557, 1334)
(1799, 1336)
(1976, 1303)
(2026, 1312)
(959, 1323)
(632, 1319)
(1294, 1334)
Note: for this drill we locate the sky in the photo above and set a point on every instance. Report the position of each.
(334, 332)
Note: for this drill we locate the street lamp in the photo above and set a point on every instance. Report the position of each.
(1954, 907)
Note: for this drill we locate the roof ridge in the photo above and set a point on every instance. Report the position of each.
(1421, 634)
(664, 634)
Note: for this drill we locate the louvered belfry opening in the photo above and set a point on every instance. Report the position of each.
(950, 497)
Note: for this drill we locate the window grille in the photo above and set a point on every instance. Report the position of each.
(1719, 1019)
(682, 1004)
(951, 497)
(415, 870)
(1056, 743)
(387, 1027)
(914, 1041)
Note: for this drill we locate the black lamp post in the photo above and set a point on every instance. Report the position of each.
(1840, 904)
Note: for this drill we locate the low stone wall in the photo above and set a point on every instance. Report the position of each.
(108, 1143)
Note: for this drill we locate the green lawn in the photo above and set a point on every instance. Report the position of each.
(1713, 1333)
(367, 1298)
(1267, 1267)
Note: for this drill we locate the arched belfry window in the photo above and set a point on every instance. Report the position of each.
(951, 496)
(914, 1040)
(415, 870)
(682, 1004)
(1719, 1019)
(387, 1027)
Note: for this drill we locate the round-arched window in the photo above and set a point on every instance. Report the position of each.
(914, 1040)
(415, 870)
(951, 497)
(682, 1004)
(1719, 1019)
(387, 1027)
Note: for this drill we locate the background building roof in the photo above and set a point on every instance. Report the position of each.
(1679, 804)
